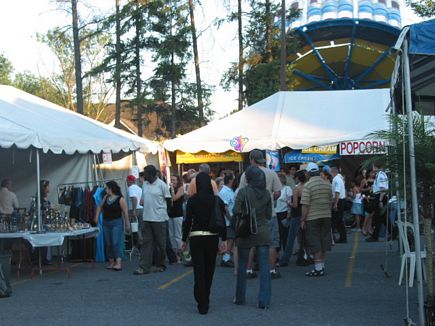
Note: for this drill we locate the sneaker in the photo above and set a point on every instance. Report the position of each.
(252, 274)
(228, 263)
(140, 271)
(371, 239)
(275, 274)
(315, 273)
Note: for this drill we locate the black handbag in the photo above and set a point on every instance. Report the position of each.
(245, 222)
(217, 217)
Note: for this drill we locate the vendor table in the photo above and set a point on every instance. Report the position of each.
(49, 239)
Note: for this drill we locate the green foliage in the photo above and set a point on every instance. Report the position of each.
(423, 8)
(397, 160)
(39, 86)
(5, 70)
(262, 50)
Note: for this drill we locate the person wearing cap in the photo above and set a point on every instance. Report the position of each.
(339, 196)
(274, 186)
(316, 217)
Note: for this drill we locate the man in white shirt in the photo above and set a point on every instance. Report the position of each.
(8, 199)
(339, 196)
(156, 199)
(134, 196)
(380, 188)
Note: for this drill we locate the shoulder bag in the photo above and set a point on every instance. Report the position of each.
(245, 222)
(217, 217)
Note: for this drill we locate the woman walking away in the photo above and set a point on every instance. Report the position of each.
(203, 243)
(259, 200)
(115, 215)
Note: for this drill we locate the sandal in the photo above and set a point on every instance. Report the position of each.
(315, 273)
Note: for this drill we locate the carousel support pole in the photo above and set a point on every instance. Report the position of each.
(407, 80)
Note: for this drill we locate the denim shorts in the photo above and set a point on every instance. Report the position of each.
(274, 231)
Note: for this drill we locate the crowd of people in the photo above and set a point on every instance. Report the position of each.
(304, 206)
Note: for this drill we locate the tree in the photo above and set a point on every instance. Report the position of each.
(196, 61)
(77, 57)
(5, 70)
(96, 91)
(423, 8)
(117, 66)
(170, 45)
(397, 161)
(262, 51)
(241, 59)
(39, 86)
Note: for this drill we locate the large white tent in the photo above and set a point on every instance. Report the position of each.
(292, 119)
(63, 141)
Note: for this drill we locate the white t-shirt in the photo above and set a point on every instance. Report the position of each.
(154, 201)
(282, 201)
(135, 191)
(338, 186)
(381, 182)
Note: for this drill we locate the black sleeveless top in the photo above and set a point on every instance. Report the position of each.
(177, 208)
(112, 210)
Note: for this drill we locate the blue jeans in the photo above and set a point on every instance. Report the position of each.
(265, 280)
(293, 229)
(113, 232)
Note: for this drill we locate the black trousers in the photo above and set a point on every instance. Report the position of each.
(380, 215)
(283, 231)
(338, 220)
(203, 250)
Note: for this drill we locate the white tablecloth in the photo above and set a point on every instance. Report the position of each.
(48, 239)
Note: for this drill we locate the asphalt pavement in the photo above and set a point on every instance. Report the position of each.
(359, 288)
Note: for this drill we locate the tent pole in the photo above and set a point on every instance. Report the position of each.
(407, 79)
(38, 191)
(95, 168)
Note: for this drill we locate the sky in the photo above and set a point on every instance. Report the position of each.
(20, 20)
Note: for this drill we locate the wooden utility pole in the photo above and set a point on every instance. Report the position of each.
(283, 61)
(239, 19)
(196, 58)
(118, 67)
(77, 57)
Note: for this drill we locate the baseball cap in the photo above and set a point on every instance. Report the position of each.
(326, 169)
(312, 167)
(257, 156)
(131, 178)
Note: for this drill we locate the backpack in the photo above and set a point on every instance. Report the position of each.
(5, 285)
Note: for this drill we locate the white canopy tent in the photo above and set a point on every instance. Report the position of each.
(294, 119)
(64, 142)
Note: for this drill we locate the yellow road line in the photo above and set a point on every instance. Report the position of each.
(350, 265)
(175, 280)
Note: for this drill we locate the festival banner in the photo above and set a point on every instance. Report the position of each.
(328, 149)
(299, 157)
(205, 157)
